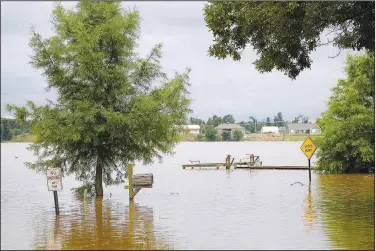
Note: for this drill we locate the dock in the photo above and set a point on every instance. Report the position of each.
(245, 165)
(253, 162)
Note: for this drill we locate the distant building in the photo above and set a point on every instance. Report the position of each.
(192, 129)
(270, 130)
(230, 128)
(305, 128)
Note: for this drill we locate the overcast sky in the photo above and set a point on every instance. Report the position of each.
(218, 86)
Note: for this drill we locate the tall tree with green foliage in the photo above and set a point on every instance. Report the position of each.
(278, 120)
(211, 134)
(284, 34)
(196, 121)
(217, 120)
(238, 135)
(300, 119)
(348, 126)
(252, 128)
(107, 113)
(228, 119)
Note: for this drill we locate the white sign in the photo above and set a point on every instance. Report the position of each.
(54, 179)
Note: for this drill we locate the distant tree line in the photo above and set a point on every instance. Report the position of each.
(253, 125)
(10, 128)
(209, 133)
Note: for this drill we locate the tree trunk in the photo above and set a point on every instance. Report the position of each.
(98, 179)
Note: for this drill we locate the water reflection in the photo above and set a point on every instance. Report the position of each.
(347, 206)
(101, 224)
(55, 243)
(310, 214)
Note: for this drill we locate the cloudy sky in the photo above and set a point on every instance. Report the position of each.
(218, 86)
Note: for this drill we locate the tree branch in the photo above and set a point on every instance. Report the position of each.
(339, 52)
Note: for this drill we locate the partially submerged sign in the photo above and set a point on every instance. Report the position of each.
(54, 179)
(308, 147)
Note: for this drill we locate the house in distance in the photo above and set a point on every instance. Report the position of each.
(230, 128)
(303, 128)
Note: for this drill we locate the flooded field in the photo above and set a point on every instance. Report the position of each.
(192, 209)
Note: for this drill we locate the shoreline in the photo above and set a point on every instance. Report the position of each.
(192, 138)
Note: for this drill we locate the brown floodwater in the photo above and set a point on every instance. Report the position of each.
(193, 209)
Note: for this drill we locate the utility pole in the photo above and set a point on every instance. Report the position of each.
(255, 126)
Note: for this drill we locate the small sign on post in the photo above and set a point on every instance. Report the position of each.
(138, 181)
(308, 148)
(54, 184)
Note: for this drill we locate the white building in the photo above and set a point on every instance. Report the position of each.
(192, 129)
(270, 130)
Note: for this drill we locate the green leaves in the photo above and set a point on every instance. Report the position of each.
(285, 33)
(226, 135)
(211, 134)
(238, 135)
(348, 125)
(108, 112)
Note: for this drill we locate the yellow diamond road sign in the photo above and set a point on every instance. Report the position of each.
(308, 147)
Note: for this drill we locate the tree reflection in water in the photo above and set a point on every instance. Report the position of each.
(110, 227)
(347, 208)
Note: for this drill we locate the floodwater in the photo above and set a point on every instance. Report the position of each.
(193, 209)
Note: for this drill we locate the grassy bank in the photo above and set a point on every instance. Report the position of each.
(25, 139)
(261, 137)
(301, 137)
(189, 137)
(193, 138)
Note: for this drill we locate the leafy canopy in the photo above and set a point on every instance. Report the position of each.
(108, 112)
(348, 126)
(238, 135)
(211, 134)
(285, 33)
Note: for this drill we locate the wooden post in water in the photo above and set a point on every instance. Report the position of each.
(130, 179)
(228, 161)
(132, 191)
(251, 159)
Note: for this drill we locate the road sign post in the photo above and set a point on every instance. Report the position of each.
(309, 169)
(54, 184)
(56, 200)
(308, 148)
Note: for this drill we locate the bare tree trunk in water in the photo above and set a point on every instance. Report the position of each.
(98, 179)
